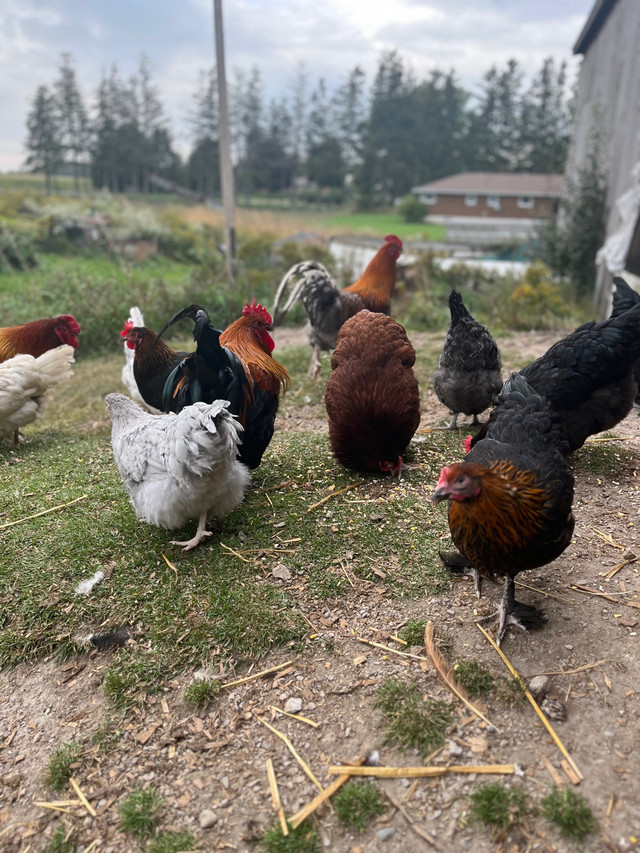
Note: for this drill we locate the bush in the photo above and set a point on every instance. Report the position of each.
(412, 209)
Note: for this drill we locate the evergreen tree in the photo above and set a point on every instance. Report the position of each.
(546, 118)
(73, 122)
(43, 139)
(349, 107)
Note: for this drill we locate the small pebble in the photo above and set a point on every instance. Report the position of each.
(539, 687)
(454, 748)
(568, 646)
(386, 834)
(293, 705)
(208, 819)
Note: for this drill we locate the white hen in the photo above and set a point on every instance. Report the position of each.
(177, 467)
(25, 383)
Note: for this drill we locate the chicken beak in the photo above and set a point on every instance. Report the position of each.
(440, 494)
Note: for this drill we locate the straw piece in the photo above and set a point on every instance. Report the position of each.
(298, 717)
(544, 592)
(446, 673)
(334, 495)
(44, 512)
(614, 571)
(582, 668)
(235, 553)
(85, 802)
(590, 591)
(55, 807)
(551, 770)
(577, 774)
(422, 833)
(292, 750)
(393, 651)
(275, 797)
(296, 819)
(608, 539)
(257, 674)
(421, 772)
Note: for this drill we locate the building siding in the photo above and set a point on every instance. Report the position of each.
(454, 205)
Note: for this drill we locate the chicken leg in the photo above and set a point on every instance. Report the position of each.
(512, 612)
(201, 533)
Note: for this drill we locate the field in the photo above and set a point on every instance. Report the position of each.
(324, 579)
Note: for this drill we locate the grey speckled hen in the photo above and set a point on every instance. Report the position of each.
(468, 375)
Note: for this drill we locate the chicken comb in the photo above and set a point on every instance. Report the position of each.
(467, 443)
(391, 238)
(71, 322)
(257, 311)
(127, 328)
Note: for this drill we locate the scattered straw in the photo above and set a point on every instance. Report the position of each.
(614, 571)
(257, 674)
(335, 495)
(85, 802)
(298, 717)
(44, 512)
(393, 651)
(322, 797)
(422, 833)
(275, 797)
(421, 772)
(292, 750)
(582, 668)
(551, 770)
(576, 772)
(543, 592)
(608, 539)
(597, 592)
(235, 553)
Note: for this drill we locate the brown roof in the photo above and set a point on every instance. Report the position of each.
(496, 183)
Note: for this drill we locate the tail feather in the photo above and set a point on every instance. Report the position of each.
(457, 307)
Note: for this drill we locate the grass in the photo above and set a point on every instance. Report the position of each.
(413, 632)
(411, 722)
(380, 224)
(602, 458)
(140, 811)
(202, 691)
(60, 841)
(474, 677)
(570, 813)
(498, 807)
(358, 803)
(64, 760)
(171, 842)
(302, 839)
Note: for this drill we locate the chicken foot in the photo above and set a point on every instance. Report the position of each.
(512, 612)
(201, 533)
(314, 367)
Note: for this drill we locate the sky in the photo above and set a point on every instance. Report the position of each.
(328, 38)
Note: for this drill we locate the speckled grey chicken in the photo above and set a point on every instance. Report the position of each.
(372, 396)
(468, 375)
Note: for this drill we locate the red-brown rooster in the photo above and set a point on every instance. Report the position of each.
(38, 336)
(327, 308)
(510, 500)
(235, 365)
(372, 396)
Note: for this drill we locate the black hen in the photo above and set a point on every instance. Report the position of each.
(510, 500)
(624, 298)
(468, 375)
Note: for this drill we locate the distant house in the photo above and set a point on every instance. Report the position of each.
(608, 101)
(489, 207)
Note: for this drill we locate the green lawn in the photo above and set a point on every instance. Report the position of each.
(379, 224)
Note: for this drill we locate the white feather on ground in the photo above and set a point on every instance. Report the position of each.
(178, 467)
(128, 378)
(25, 385)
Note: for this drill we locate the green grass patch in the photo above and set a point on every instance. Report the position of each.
(380, 224)
(140, 812)
(357, 803)
(498, 807)
(202, 691)
(64, 760)
(411, 722)
(413, 632)
(61, 840)
(474, 677)
(171, 842)
(302, 839)
(603, 458)
(570, 812)
(510, 691)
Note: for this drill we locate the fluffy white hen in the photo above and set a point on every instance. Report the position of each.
(25, 384)
(177, 467)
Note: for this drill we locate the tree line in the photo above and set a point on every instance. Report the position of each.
(367, 141)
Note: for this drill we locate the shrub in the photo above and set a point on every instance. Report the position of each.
(411, 209)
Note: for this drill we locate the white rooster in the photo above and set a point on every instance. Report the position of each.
(25, 383)
(177, 467)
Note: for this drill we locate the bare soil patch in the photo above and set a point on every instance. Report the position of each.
(215, 758)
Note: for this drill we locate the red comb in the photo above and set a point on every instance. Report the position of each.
(467, 443)
(253, 310)
(127, 328)
(391, 238)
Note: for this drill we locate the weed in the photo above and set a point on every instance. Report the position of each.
(357, 803)
(510, 691)
(411, 722)
(413, 632)
(64, 759)
(570, 812)
(171, 842)
(106, 736)
(497, 806)
(60, 841)
(202, 691)
(474, 677)
(139, 812)
(602, 458)
(302, 839)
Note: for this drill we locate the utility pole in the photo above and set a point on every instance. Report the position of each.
(226, 167)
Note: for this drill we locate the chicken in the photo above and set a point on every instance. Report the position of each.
(372, 396)
(128, 377)
(327, 308)
(38, 336)
(468, 375)
(235, 365)
(624, 298)
(510, 500)
(177, 467)
(25, 384)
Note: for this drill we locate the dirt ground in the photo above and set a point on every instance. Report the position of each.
(210, 765)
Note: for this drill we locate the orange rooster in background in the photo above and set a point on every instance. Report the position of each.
(372, 396)
(38, 336)
(234, 365)
(327, 308)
